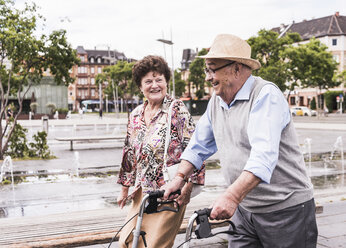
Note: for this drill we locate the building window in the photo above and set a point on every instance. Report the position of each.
(92, 60)
(92, 69)
(99, 70)
(92, 92)
(82, 58)
(82, 81)
(92, 80)
(292, 100)
(334, 42)
(82, 69)
(99, 60)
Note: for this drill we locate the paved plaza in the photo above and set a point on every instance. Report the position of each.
(80, 183)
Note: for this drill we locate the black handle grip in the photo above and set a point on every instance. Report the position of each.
(205, 211)
(160, 193)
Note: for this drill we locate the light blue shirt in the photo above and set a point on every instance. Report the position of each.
(268, 117)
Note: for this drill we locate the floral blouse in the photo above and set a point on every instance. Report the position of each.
(143, 151)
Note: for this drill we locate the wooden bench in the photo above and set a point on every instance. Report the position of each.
(89, 138)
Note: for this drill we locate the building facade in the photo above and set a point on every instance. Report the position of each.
(331, 31)
(190, 92)
(92, 63)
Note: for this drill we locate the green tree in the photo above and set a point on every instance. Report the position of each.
(268, 49)
(28, 55)
(119, 76)
(311, 65)
(313, 103)
(197, 75)
(179, 84)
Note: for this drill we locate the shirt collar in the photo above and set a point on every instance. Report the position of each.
(242, 94)
(164, 106)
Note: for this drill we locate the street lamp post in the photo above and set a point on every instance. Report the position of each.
(169, 42)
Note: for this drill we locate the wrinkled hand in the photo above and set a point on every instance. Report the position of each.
(122, 198)
(184, 198)
(174, 185)
(224, 206)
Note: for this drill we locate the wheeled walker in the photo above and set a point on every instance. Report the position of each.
(150, 205)
(203, 227)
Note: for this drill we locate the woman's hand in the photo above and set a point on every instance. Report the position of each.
(121, 200)
(184, 198)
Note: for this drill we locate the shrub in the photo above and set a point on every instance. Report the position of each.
(330, 98)
(17, 143)
(51, 106)
(40, 148)
(62, 110)
(18, 147)
(313, 104)
(33, 107)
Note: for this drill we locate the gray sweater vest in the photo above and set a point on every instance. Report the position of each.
(289, 183)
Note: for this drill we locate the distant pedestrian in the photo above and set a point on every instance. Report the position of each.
(80, 112)
(100, 113)
(9, 112)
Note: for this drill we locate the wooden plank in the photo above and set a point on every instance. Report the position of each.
(72, 229)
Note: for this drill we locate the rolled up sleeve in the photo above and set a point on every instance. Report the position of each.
(268, 117)
(202, 144)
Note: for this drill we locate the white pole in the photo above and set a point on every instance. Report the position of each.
(115, 104)
(107, 103)
(100, 95)
(173, 80)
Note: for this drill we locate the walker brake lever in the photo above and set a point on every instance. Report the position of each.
(203, 228)
(153, 204)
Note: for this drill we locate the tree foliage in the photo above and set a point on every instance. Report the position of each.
(312, 65)
(288, 65)
(119, 78)
(268, 48)
(25, 56)
(179, 84)
(197, 75)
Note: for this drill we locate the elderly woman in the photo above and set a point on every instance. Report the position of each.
(143, 153)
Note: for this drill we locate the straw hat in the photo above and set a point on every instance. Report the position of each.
(231, 47)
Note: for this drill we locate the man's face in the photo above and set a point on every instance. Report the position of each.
(222, 79)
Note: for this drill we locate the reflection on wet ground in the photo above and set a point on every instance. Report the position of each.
(49, 193)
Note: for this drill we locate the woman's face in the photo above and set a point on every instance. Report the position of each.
(154, 87)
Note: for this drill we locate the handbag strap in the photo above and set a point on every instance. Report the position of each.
(168, 135)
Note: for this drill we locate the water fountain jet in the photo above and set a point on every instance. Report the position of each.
(7, 164)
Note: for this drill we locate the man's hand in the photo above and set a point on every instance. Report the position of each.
(184, 198)
(224, 207)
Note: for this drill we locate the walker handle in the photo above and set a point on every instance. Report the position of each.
(205, 211)
(160, 193)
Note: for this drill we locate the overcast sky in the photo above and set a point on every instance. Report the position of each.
(132, 26)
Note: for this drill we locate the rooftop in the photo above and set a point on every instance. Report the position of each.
(325, 26)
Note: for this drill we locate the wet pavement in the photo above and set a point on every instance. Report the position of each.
(85, 179)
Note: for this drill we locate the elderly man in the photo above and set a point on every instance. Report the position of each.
(270, 196)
